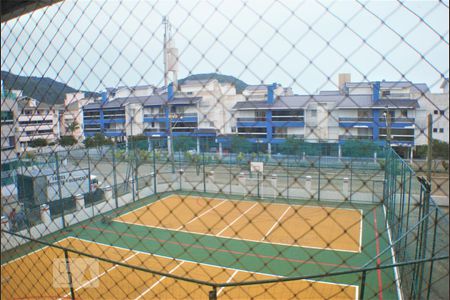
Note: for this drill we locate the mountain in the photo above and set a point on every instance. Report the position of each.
(43, 89)
(239, 84)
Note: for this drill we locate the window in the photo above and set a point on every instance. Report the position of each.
(313, 113)
(441, 130)
(442, 112)
(436, 112)
(385, 93)
(435, 130)
(403, 113)
(12, 141)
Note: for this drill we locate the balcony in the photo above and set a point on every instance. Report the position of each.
(251, 122)
(355, 137)
(114, 132)
(288, 121)
(286, 135)
(400, 120)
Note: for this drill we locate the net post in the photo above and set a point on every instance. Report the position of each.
(433, 249)
(69, 274)
(213, 294)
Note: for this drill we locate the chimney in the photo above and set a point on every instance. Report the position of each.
(343, 79)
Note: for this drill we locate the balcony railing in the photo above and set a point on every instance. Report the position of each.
(288, 118)
(356, 137)
(399, 138)
(398, 120)
(155, 116)
(285, 136)
(251, 119)
(356, 119)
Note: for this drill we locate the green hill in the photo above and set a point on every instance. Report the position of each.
(43, 89)
(239, 84)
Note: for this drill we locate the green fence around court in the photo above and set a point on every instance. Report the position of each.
(417, 229)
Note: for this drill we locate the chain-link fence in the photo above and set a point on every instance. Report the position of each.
(134, 168)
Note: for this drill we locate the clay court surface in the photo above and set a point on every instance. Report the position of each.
(118, 282)
(318, 227)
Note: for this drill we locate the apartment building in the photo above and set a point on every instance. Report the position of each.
(37, 120)
(9, 144)
(199, 109)
(437, 105)
(72, 121)
(358, 110)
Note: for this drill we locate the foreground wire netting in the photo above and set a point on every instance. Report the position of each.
(136, 184)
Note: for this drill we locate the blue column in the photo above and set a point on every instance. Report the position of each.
(376, 91)
(270, 100)
(102, 119)
(376, 124)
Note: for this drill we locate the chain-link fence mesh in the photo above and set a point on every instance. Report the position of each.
(147, 153)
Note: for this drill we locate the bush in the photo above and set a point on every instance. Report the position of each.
(440, 150)
(38, 143)
(67, 140)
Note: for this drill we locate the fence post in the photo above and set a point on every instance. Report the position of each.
(59, 190)
(433, 248)
(351, 180)
(69, 274)
(114, 174)
(154, 170)
(424, 231)
(213, 294)
(318, 179)
(204, 173)
(363, 286)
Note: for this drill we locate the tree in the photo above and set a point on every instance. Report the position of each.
(67, 140)
(240, 144)
(72, 127)
(38, 143)
(440, 150)
(97, 141)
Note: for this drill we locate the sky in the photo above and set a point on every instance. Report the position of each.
(91, 45)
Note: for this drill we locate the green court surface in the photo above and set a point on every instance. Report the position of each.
(274, 259)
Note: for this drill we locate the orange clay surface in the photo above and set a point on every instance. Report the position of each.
(31, 277)
(293, 225)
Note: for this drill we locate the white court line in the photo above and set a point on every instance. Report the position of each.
(158, 282)
(144, 206)
(211, 265)
(396, 273)
(35, 251)
(229, 279)
(98, 276)
(240, 238)
(202, 214)
(275, 224)
(251, 240)
(235, 220)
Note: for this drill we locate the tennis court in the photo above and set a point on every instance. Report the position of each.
(168, 234)
(117, 282)
(317, 227)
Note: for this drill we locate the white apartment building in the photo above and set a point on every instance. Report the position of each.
(37, 120)
(9, 145)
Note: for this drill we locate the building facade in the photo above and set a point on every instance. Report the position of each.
(37, 120)
(9, 145)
